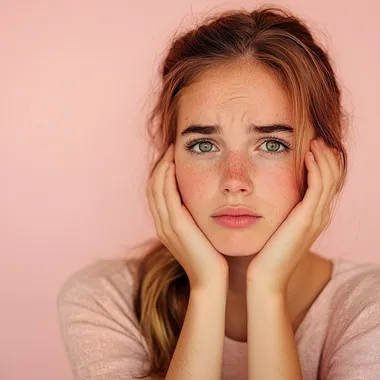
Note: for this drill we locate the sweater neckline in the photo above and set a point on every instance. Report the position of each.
(321, 296)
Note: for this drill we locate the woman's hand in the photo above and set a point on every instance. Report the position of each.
(272, 267)
(177, 229)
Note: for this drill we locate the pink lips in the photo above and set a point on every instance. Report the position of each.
(235, 217)
(236, 221)
(234, 211)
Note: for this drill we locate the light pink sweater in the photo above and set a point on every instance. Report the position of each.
(339, 338)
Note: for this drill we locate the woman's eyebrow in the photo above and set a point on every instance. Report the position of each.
(252, 128)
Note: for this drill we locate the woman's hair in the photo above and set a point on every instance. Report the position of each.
(279, 41)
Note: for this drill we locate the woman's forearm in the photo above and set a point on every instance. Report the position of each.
(272, 352)
(199, 350)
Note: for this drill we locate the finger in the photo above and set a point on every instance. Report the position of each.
(165, 159)
(154, 212)
(153, 190)
(322, 213)
(315, 188)
(158, 185)
(325, 169)
(171, 195)
(153, 207)
(333, 158)
(329, 178)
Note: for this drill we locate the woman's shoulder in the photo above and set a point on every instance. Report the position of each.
(356, 279)
(355, 299)
(97, 319)
(108, 283)
(353, 327)
(97, 274)
(107, 275)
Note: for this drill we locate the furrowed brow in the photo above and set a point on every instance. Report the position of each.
(252, 128)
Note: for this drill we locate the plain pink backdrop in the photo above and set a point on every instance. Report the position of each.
(74, 79)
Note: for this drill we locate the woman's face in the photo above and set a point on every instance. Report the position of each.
(232, 168)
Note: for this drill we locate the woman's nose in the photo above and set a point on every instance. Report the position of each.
(236, 176)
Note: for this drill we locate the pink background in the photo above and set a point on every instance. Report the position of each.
(74, 80)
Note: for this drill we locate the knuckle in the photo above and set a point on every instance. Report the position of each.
(176, 225)
(160, 233)
(306, 223)
(155, 192)
(167, 230)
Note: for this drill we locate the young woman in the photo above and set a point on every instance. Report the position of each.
(250, 129)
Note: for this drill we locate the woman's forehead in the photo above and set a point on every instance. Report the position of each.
(238, 92)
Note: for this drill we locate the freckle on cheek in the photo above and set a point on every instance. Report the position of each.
(194, 181)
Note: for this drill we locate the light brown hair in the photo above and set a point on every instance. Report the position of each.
(279, 40)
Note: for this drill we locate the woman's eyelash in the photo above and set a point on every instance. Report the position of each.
(190, 145)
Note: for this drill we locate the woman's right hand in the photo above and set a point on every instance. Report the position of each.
(177, 229)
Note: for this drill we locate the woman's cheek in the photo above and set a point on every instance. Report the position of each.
(281, 182)
(281, 190)
(193, 184)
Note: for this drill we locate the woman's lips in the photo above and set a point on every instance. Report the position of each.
(240, 221)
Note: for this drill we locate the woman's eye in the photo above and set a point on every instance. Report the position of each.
(273, 145)
(207, 146)
(204, 146)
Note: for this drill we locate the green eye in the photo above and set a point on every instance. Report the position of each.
(273, 143)
(205, 143)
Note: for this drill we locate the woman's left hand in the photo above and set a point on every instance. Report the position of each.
(273, 266)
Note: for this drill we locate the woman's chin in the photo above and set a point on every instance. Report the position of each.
(237, 251)
(237, 254)
(236, 244)
(236, 241)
